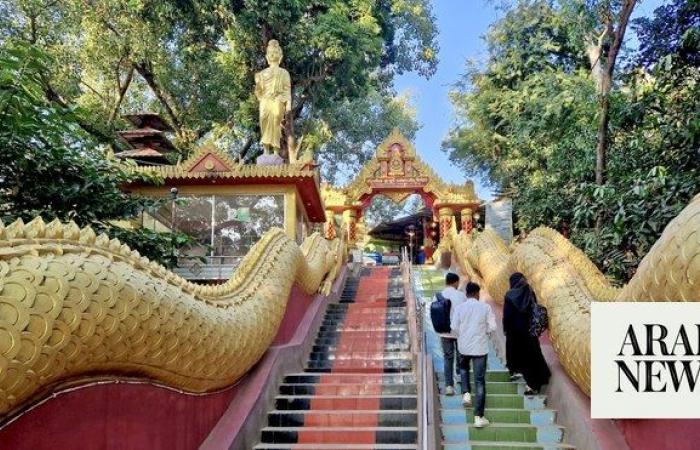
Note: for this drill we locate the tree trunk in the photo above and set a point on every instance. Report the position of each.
(602, 146)
(123, 87)
(163, 96)
(606, 80)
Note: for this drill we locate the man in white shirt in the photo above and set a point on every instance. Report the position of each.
(472, 322)
(449, 340)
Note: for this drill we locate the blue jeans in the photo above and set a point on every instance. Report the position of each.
(449, 352)
(479, 365)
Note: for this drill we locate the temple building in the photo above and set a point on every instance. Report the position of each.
(226, 207)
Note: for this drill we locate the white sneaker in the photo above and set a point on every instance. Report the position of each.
(516, 376)
(467, 399)
(480, 422)
(449, 390)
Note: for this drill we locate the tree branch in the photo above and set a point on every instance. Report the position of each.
(619, 34)
(165, 99)
(244, 151)
(55, 97)
(123, 87)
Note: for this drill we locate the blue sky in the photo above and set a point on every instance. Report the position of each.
(461, 25)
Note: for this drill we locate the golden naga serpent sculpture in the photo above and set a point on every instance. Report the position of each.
(75, 305)
(566, 281)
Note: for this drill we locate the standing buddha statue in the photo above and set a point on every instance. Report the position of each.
(274, 92)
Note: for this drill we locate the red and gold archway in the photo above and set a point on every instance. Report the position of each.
(396, 171)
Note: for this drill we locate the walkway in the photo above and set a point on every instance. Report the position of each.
(517, 422)
(358, 390)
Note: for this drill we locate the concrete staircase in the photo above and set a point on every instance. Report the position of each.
(518, 422)
(358, 390)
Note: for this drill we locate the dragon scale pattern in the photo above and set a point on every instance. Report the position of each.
(74, 305)
(566, 281)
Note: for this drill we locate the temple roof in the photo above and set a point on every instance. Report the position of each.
(395, 231)
(148, 120)
(397, 171)
(209, 165)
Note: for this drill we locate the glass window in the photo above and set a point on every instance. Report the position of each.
(224, 227)
(241, 220)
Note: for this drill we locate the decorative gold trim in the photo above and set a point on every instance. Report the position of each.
(234, 169)
(425, 178)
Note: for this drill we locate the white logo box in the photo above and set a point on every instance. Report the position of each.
(610, 324)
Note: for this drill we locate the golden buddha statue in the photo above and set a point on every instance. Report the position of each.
(274, 92)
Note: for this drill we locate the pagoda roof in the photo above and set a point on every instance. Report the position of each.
(147, 137)
(147, 154)
(148, 120)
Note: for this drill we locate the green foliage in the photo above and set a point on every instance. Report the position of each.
(348, 136)
(193, 61)
(673, 30)
(527, 121)
(50, 168)
(383, 209)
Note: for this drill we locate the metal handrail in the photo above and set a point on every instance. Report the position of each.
(415, 312)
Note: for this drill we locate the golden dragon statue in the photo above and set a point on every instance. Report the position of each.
(566, 281)
(75, 305)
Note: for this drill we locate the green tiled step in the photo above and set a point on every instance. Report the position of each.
(504, 432)
(499, 415)
(493, 387)
(512, 401)
(491, 375)
(486, 445)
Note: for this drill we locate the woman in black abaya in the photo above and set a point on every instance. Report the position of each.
(523, 352)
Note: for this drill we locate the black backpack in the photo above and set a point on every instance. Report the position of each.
(440, 314)
(539, 320)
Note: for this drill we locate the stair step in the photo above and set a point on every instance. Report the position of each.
(334, 321)
(491, 445)
(340, 435)
(503, 432)
(492, 387)
(388, 335)
(348, 389)
(396, 366)
(380, 418)
(337, 307)
(333, 402)
(498, 401)
(538, 417)
(360, 355)
(335, 447)
(309, 378)
(491, 375)
(368, 346)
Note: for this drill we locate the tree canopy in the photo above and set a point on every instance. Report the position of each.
(50, 167)
(528, 121)
(193, 61)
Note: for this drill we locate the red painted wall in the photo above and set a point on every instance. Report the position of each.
(661, 434)
(118, 417)
(122, 416)
(296, 308)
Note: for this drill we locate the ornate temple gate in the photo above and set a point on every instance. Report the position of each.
(396, 171)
